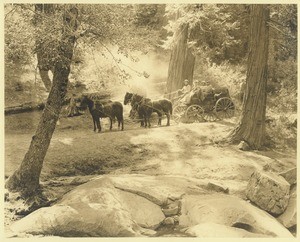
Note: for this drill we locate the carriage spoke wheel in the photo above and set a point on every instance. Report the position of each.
(178, 112)
(210, 116)
(224, 108)
(194, 113)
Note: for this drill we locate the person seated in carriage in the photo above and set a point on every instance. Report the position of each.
(195, 89)
(185, 89)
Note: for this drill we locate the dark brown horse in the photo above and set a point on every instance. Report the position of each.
(134, 110)
(99, 110)
(145, 107)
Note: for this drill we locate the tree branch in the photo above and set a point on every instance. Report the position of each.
(271, 24)
(11, 11)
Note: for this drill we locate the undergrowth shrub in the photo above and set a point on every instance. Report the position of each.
(281, 101)
(282, 113)
(225, 75)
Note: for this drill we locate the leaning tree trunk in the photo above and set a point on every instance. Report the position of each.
(252, 125)
(182, 61)
(26, 178)
(44, 60)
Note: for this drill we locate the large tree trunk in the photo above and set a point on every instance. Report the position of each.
(26, 178)
(182, 62)
(252, 125)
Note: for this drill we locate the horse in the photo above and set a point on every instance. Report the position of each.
(145, 107)
(99, 110)
(128, 98)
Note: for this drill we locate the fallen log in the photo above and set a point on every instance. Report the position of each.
(22, 108)
(31, 106)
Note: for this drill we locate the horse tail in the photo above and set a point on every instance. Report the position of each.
(121, 114)
(171, 108)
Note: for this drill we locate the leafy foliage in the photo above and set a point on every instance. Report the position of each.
(283, 48)
(215, 31)
(18, 36)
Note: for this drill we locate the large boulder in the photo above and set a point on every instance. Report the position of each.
(229, 211)
(268, 191)
(134, 205)
(289, 217)
(96, 208)
(126, 205)
(214, 230)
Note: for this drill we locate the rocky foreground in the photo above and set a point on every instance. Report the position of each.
(143, 205)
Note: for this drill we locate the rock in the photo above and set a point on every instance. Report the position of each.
(217, 187)
(289, 217)
(229, 211)
(169, 221)
(121, 206)
(111, 205)
(268, 191)
(176, 219)
(290, 175)
(93, 209)
(148, 214)
(157, 189)
(244, 146)
(214, 230)
(170, 211)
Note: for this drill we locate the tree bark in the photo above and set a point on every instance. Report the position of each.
(44, 63)
(26, 178)
(251, 127)
(182, 61)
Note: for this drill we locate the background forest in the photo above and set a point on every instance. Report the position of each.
(128, 47)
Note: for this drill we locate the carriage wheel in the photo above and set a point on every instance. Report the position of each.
(178, 112)
(194, 113)
(210, 116)
(224, 108)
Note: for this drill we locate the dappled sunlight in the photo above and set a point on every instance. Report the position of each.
(188, 149)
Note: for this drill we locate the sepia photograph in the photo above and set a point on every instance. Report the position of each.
(144, 120)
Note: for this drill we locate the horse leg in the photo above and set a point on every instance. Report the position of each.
(145, 121)
(159, 119)
(149, 125)
(110, 119)
(148, 119)
(94, 122)
(168, 118)
(142, 121)
(98, 125)
(120, 120)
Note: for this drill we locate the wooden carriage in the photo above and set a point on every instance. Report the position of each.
(204, 104)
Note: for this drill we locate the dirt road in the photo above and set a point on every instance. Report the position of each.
(180, 149)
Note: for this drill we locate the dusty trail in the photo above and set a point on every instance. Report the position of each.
(180, 149)
(77, 154)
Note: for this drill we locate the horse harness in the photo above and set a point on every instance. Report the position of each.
(102, 106)
(143, 100)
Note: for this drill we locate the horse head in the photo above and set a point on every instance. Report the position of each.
(127, 98)
(83, 102)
